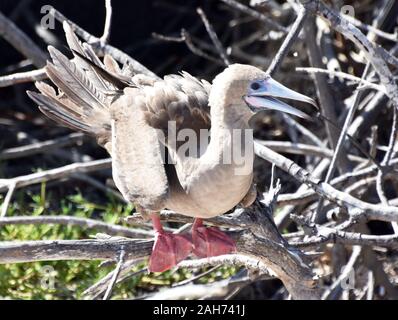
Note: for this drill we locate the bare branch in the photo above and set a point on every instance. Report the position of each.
(108, 22)
(115, 275)
(20, 41)
(370, 50)
(93, 249)
(22, 77)
(372, 211)
(214, 37)
(269, 251)
(41, 147)
(57, 173)
(289, 40)
(263, 18)
(344, 274)
(111, 229)
(7, 199)
(100, 48)
(99, 287)
(343, 75)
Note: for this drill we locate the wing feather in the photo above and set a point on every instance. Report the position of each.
(90, 97)
(138, 166)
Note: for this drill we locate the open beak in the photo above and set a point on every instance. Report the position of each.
(262, 95)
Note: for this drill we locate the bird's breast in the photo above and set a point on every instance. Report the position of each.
(212, 193)
(224, 193)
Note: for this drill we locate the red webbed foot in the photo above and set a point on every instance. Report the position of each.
(210, 242)
(169, 249)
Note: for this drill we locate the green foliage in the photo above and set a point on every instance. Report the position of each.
(71, 278)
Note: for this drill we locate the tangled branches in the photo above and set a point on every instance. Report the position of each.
(338, 178)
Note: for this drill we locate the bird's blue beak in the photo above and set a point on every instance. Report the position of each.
(262, 94)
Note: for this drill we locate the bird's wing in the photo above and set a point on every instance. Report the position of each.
(138, 166)
(90, 99)
(178, 99)
(83, 97)
(181, 99)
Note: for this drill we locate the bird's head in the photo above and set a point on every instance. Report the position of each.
(240, 83)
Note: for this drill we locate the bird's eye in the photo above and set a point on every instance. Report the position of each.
(255, 86)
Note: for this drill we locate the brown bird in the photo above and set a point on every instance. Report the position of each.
(178, 142)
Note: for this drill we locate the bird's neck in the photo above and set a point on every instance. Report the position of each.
(231, 139)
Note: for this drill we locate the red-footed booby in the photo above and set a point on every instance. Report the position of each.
(139, 119)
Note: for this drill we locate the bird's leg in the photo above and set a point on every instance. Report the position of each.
(168, 249)
(210, 242)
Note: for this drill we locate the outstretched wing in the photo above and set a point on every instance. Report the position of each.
(83, 97)
(87, 100)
